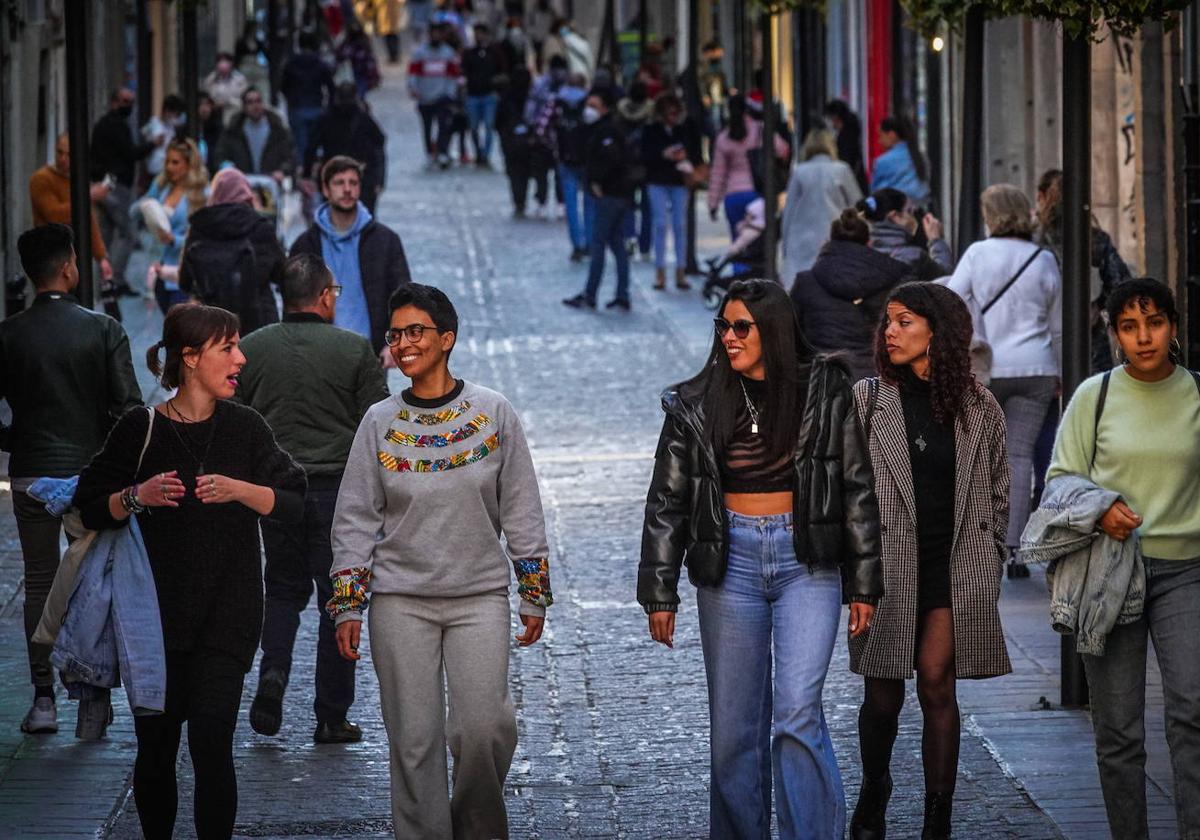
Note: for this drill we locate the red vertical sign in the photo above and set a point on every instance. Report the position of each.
(879, 71)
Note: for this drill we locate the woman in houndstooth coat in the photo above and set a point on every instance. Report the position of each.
(937, 446)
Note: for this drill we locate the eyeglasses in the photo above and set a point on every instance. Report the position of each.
(335, 290)
(413, 332)
(741, 327)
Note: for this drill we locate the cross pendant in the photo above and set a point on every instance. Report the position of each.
(921, 443)
(753, 428)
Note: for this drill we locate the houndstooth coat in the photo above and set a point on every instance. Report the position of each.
(887, 650)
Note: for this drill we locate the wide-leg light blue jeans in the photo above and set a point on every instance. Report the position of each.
(770, 614)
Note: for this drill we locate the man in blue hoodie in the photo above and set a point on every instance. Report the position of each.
(366, 257)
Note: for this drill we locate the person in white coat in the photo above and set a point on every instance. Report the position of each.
(1014, 291)
(819, 189)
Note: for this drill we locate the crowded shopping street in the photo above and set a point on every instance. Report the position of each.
(645, 705)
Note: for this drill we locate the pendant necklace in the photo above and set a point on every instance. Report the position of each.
(180, 437)
(750, 407)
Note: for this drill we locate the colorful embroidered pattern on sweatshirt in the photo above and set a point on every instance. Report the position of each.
(445, 416)
(424, 465)
(481, 421)
(533, 581)
(349, 591)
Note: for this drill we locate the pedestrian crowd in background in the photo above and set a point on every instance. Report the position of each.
(878, 427)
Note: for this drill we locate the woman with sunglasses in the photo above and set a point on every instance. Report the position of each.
(941, 475)
(763, 485)
(1133, 432)
(435, 476)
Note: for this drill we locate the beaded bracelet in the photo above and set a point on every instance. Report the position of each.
(129, 500)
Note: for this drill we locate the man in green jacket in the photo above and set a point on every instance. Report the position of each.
(313, 382)
(67, 375)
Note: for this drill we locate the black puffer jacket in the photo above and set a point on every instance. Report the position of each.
(836, 514)
(838, 300)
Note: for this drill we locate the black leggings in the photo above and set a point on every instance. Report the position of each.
(879, 717)
(204, 688)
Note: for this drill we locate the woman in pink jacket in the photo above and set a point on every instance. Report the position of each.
(732, 178)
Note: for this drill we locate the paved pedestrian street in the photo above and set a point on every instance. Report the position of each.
(613, 728)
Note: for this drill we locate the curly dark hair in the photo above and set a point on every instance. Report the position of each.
(950, 375)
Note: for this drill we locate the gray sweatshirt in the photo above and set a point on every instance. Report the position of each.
(427, 494)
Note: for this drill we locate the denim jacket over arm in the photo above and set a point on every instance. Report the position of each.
(1095, 582)
(112, 631)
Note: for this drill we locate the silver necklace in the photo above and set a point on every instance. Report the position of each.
(750, 407)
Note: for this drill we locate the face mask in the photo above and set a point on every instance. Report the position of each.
(564, 32)
(590, 115)
(714, 64)
(180, 121)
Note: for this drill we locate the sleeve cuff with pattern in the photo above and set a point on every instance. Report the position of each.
(350, 588)
(533, 583)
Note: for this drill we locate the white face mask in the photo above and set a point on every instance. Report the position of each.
(591, 115)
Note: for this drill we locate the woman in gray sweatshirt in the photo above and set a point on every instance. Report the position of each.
(435, 476)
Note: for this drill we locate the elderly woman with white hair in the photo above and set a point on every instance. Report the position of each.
(819, 189)
(1014, 290)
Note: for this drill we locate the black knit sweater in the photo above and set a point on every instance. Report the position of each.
(205, 557)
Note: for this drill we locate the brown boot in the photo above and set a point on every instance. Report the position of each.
(660, 279)
(681, 281)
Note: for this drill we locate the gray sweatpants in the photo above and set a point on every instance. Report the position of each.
(1025, 401)
(414, 641)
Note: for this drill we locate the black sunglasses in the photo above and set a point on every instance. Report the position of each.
(741, 327)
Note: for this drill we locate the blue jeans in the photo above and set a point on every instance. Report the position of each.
(481, 110)
(1118, 691)
(768, 596)
(606, 233)
(668, 205)
(579, 226)
(303, 122)
(637, 224)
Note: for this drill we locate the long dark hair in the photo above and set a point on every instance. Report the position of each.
(950, 376)
(905, 131)
(784, 349)
(737, 118)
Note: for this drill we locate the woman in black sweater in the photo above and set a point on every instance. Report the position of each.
(210, 469)
(670, 150)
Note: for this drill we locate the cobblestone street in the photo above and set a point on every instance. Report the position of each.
(613, 729)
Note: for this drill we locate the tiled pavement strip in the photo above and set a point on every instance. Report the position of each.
(613, 729)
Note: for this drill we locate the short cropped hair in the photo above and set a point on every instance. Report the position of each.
(430, 300)
(304, 277)
(338, 164)
(44, 249)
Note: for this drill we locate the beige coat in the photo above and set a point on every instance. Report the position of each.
(887, 650)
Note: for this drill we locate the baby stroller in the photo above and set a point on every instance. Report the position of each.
(746, 258)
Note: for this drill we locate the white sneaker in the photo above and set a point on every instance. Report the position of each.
(542, 212)
(559, 212)
(42, 717)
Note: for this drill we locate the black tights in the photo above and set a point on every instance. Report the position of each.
(204, 688)
(879, 716)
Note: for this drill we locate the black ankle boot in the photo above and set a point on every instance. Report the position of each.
(937, 816)
(870, 814)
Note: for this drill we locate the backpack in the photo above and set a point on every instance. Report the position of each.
(222, 273)
(635, 169)
(570, 132)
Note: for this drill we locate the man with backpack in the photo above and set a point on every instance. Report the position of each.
(366, 258)
(232, 255)
(607, 165)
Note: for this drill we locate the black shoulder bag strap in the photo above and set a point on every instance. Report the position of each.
(1014, 279)
(1100, 410)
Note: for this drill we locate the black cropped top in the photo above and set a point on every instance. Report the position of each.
(747, 465)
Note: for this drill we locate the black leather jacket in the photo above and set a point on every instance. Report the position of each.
(835, 510)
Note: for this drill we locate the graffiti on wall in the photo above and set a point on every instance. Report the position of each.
(1126, 235)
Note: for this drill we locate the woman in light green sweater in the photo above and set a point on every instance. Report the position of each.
(1145, 445)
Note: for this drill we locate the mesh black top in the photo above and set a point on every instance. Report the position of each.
(748, 466)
